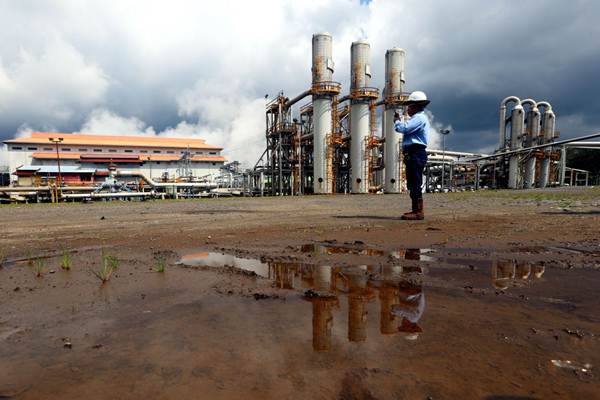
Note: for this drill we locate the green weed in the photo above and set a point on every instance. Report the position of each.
(66, 262)
(39, 266)
(108, 264)
(160, 264)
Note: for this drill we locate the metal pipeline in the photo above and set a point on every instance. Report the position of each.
(541, 146)
(502, 130)
(296, 99)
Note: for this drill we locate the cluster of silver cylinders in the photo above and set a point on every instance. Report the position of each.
(527, 128)
(361, 96)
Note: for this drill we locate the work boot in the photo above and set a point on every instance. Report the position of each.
(417, 213)
(410, 215)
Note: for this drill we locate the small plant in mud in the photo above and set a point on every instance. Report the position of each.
(110, 260)
(39, 265)
(109, 264)
(66, 262)
(160, 264)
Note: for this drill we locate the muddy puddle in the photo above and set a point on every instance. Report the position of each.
(391, 296)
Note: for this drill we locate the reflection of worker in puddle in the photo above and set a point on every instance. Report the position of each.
(410, 308)
(322, 321)
(538, 270)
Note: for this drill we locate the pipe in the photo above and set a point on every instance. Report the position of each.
(502, 130)
(165, 184)
(541, 146)
(296, 99)
(105, 195)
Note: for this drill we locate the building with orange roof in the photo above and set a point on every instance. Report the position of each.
(160, 158)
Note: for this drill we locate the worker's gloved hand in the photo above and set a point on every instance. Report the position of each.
(396, 116)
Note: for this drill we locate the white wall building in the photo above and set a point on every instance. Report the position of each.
(156, 157)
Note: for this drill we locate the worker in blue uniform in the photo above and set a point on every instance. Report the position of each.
(414, 144)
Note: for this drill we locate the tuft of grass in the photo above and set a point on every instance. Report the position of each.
(2, 256)
(66, 262)
(109, 264)
(39, 266)
(160, 264)
(111, 261)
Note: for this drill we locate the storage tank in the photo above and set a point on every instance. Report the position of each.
(533, 131)
(547, 133)
(516, 132)
(360, 77)
(322, 71)
(392, 152)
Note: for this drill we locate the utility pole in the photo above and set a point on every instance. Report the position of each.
(444, 132)
(56, 141)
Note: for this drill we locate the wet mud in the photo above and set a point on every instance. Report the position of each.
(300, 310)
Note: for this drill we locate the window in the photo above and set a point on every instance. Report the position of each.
(128, 151)
(48, 149)
(213, 153)
(83, 150)
(66, 149)
(199, 152)
(98, 150)
(170, 152)
(143, 151)
(112, 150)
(16, 148)
(214, 163)
(32, 148)
(156, 151)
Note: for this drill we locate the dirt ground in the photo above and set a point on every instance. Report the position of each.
(493, 296)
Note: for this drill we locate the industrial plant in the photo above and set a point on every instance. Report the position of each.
(340, 141)
(332, 144)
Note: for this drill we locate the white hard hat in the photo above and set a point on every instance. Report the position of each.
(417, 97)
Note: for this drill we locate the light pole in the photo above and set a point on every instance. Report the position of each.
(444, 132)
(56, 141)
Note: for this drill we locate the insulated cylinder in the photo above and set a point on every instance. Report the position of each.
(394, 71)
(392, 154)
(516, 132)
(322, 71)
(322, 61)
(533, 131)
(360, 74)
(321, 127)
(360, 70)
(359, 132)
(548, 124)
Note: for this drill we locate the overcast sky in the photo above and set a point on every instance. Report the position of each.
(202, 68)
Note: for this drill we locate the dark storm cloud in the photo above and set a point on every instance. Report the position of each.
(127, 65)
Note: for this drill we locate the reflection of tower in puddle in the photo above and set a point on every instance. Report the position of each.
(359, 295)
(503, 272)
(321, 279)
(523, 270)
(283, 274)
(388, 298)
(322, 321)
